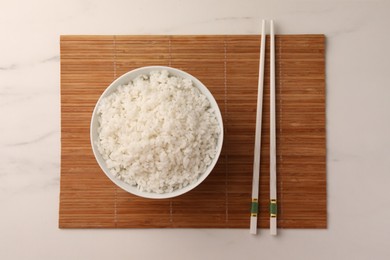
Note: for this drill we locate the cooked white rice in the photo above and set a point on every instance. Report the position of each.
(158, 132)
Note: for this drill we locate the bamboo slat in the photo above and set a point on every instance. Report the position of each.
(228, 66)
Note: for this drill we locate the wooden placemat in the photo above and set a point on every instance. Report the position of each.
(228, 66)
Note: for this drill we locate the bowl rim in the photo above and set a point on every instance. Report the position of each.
(129, 76)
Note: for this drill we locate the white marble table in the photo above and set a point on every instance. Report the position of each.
(358, 127)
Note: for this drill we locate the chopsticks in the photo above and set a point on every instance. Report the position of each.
(259, 113)
(256, 162)
(273, 194)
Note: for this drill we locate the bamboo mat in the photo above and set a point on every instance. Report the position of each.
(228, 66)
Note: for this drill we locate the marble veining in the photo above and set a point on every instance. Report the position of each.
(35, 140)
(15, 66)
(358, 127)
(9, 67)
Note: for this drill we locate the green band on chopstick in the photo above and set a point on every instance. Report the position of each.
(254, 208)
(273, 208)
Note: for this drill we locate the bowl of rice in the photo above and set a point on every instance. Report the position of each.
(156, 132)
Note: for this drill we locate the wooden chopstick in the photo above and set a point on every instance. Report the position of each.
(256, 162)
(273, 194)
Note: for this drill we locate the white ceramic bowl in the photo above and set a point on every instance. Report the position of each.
(124, 79)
